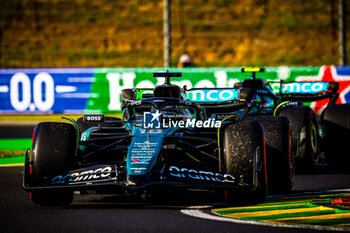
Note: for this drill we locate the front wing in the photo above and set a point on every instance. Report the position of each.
(111, 178)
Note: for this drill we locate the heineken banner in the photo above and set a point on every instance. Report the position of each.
(98, 90)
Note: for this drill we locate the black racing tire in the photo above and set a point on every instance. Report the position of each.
(305, 131)
(54, 145)
(107, 122)
(336, 120)
(279, 153)
(243, 144)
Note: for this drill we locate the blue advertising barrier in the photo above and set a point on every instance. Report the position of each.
(45, 90)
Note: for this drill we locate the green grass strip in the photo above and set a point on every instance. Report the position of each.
(291, 202)
(293, 215)
(328, 222)
(280, 206)
(262, 209)
(295, 198)
(15, 144)
(11, 160)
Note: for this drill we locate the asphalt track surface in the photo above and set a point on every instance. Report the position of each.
(110, 213)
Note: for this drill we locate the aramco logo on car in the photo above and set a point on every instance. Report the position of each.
(154, 120)
(302, 87)
(212, 95)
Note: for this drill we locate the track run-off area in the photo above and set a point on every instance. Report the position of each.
(323, 210)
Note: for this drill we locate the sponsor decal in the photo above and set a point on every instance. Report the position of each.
(300, 88)
(143, 152)
(140, 160)
(88, 175)
(221, 116)
(291, 104)
(151, 131)
(262, 92)
(84, 136)
(212, 95)
(94, 118)
(45, 90)
(200, 175)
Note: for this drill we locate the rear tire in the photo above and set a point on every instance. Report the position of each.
(54, 148)
(243, 145)
(337, 125)
(279, 153)
(305, 130)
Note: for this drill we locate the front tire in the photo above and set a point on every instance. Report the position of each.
(243, 146)
(53, 148)
(337, 126)
(279, 153)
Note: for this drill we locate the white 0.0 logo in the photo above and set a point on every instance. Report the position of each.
(43, 104)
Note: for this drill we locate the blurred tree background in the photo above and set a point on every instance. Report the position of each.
(110, 33)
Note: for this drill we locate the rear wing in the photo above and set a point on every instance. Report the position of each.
(217, 100)
(306, 91)
(212, 95)
(197, 95)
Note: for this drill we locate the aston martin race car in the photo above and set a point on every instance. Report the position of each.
(164, 140)
(313, 133)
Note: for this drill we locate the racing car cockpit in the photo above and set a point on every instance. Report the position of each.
(165, 90)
